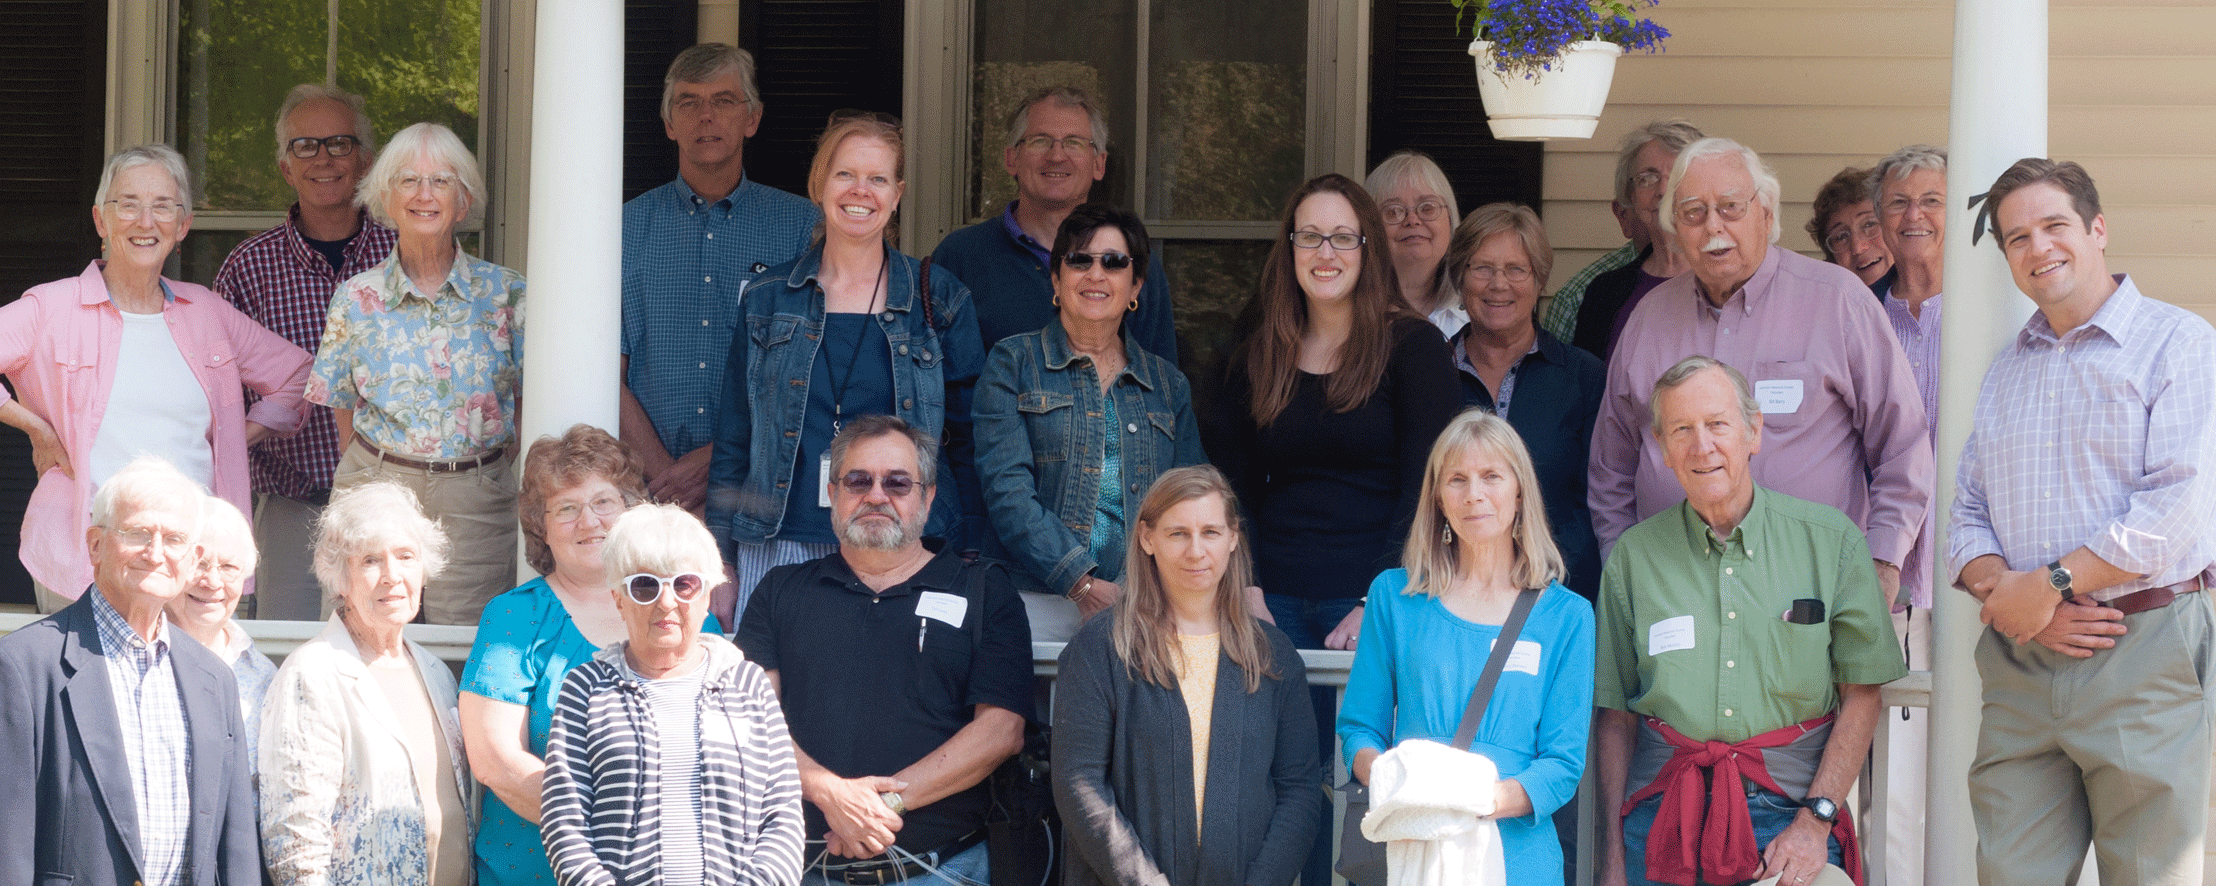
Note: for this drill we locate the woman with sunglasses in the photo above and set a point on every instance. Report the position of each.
(573, 489)
(1074, 422)
(668, 760)
(845, 329)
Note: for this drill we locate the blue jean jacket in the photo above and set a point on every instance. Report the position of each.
(765, 389)
(1039, 448)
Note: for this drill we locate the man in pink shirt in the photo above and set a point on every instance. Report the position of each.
(1843, 423)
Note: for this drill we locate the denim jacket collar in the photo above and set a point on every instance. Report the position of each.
(900, 284)
(1054, 345)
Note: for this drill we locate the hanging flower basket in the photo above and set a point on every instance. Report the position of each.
(1564, 101)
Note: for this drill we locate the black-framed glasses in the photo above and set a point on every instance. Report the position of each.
(606, 506)
(1428, 210)
(307, 146)
(896, 485)
(1343, 242)
(646, 588)
(1040, 144)
(1083, 261)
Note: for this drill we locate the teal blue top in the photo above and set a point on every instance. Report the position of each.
(526, 644)
(1107, 538)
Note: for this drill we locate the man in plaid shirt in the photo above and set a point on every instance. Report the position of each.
(284, 278)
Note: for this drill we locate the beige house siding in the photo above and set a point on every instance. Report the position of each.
(1816, 85)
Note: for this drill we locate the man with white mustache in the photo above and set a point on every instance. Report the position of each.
(1843, 424)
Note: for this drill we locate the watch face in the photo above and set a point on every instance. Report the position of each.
(2059, 578)
(1823, 808)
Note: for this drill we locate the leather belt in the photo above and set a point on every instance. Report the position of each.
(448, 466)
(878, 873)
(2155, 598)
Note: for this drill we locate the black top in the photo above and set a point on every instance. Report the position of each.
(333, 251)
(859, 696)
(1557, 399)
(1331, 494)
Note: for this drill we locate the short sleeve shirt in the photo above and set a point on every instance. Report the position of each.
(1694, 630)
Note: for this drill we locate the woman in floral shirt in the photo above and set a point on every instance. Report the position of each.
(422, 363)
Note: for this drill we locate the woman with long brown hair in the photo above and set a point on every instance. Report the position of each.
(1330, 405)
(1148, 793)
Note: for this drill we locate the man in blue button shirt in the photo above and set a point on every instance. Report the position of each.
(1057, 148)
(690, 248)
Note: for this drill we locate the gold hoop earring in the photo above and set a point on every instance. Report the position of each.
(1133, 306)
(1057, 299)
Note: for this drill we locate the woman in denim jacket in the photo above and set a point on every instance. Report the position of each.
(838, 332)
(1075, 421)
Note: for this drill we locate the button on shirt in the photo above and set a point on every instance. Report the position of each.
(2105, 437)
(156, 744)
(1692, 628)
(686, 264)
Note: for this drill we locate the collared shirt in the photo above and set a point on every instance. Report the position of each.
(1560, 317)
(1006, 272)
(1918, 333)
(283, 283)
(1693, 627)
(1458, 342)
(253, 671)
(428, 375)
(156, 742)
(1561, 395)
(2103, 436)
(1842, 424)
(687, 262)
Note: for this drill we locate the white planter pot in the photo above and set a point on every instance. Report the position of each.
(1562, 103)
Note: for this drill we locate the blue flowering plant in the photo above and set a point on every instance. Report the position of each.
(1530, 37)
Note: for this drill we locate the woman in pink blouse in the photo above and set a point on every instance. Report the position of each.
(118, 361)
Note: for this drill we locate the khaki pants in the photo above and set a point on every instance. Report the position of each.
(285, 587)
(2113, 750)
(477, 508)
(48, 601)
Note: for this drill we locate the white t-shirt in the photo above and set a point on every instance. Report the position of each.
(156, 406)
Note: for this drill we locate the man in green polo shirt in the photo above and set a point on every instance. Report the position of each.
(1743, 633)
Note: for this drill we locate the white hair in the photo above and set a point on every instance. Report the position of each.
(225, 531)
(660, 539)
(1899, 164)
(1417, 168)
(128, 159)
(1766, 187)
(146, 481)
(441, 146)
(376, 514)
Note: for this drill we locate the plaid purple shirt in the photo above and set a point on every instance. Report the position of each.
(281, 282)
(1919, 337)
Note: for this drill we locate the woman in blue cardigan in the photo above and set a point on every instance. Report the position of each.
(1478, 541)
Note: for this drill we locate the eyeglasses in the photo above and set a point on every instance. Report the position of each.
(1395, 213)
(1313, 240)
(227, 573)
(1040, 144)
(1645, 180)
(307, 146)
(605, 506)
(1843, 238)
(162, 210)
(1695, 214)
(1486, 273)
(1931, 204)
(692, 105)
(844, 114)
(896, 485)
(646, 588)
(410, 182)
(1083, 261)
(139, 538)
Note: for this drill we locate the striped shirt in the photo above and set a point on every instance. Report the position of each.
(674, 704)
(156, 743)
(2103, 436)
(604, 803)
(281, 282)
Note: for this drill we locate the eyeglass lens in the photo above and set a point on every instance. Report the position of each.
(896, 485)
(1083, 261)
(646, 588)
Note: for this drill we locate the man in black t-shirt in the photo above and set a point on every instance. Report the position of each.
(905, 673)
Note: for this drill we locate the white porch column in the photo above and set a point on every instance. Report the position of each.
(573, 309)
(1998, 116)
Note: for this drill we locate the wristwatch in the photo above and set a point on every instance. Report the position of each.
(2060, 579)
(1823, 808)
(894, 802)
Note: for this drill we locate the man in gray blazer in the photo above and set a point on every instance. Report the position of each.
(121, 760)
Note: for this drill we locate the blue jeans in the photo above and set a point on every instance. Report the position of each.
(967, 869)
(1770, 811)
(1306, 622)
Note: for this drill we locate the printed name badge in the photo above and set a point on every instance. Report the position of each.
(1670, 635)
(1778, 396)
(823, 473)
(1525, 657)
(949, 608)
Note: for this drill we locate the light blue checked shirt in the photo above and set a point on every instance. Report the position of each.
(686, 265)
(2105, 437)
(156, 742)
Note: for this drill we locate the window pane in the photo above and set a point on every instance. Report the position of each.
(1213, 280)
(414, 60)
(1228, 99)
(1025, 46)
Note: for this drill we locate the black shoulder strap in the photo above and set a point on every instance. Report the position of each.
(1502, 646)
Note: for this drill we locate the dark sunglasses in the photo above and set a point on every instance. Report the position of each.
(646, 588)
(896, 485)
(1083, 261)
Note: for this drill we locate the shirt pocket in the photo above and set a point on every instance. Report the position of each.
(2115, 434)
(1049, 417)
(1789, 392)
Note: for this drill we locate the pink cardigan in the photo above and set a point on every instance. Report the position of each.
(58, 347)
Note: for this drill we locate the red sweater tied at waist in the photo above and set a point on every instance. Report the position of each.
(1708, 836)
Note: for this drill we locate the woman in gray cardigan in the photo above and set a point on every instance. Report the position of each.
(1184, 742)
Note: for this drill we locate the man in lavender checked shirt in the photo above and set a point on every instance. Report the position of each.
(1842, 422)
(2081, 520)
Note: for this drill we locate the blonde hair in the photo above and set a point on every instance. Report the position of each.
(1145, 637)
(660, 539)
(1430, 558)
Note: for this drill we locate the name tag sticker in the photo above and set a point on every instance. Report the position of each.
(1778, 396)
(949, 608)
(1525, 658)
(1670, 635)
(823, 474)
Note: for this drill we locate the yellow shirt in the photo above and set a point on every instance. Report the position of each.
(1196, 680)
